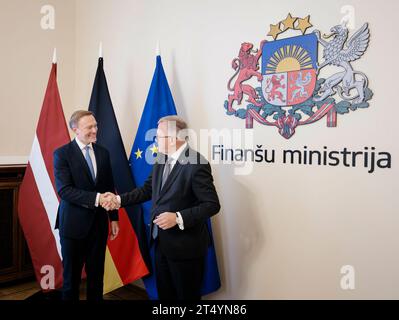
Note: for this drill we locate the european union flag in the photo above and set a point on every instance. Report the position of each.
(160, 103)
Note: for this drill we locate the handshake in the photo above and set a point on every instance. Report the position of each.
(109, 201)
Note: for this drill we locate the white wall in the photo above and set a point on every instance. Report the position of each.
(284, 231)
(25, 62)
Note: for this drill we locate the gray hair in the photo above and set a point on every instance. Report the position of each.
(181, 126)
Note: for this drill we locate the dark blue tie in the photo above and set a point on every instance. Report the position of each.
(89, 162)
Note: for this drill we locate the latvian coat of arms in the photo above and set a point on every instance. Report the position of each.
(291, 88)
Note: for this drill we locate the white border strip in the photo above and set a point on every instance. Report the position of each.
(46, 189)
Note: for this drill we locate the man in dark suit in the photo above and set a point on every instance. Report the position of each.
(83, 174)
(183, 198)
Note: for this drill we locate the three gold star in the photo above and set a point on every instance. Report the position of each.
(289, 22)
(274, 30)
(303, 24)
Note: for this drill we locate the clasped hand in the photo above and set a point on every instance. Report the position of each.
(109, 201)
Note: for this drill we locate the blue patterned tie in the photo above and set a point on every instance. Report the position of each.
(89, 162)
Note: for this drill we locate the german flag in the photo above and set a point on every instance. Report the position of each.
(127, 256)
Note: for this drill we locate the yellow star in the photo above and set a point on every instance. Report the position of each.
(138, 153)
(303, 24)
(154, 149)
(288, 22)
(274, 30)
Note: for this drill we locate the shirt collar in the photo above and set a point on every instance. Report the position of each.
(175, 155)
(82, 145)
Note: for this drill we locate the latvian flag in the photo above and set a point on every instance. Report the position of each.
(38, 200)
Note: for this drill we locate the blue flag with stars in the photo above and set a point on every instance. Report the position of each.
(160, 103)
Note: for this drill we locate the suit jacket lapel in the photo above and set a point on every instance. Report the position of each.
(81, 158)
(171, 178)
(159, 166)
(174, 173)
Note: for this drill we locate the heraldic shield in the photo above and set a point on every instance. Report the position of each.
(289, 70)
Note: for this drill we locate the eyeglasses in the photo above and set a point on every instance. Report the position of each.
(156, 138)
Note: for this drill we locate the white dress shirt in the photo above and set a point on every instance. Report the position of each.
(175, 156)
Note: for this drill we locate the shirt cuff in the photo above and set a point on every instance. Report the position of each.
(179, 220)
(118, 198)
(97, 200)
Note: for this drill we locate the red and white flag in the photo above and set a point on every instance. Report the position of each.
(38, 199)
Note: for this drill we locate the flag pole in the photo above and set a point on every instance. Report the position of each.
(158, 50)
(100, 50)
(55, 56)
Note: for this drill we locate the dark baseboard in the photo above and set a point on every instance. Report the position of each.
(127, 292)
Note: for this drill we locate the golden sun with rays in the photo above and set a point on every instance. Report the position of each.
(289, 58)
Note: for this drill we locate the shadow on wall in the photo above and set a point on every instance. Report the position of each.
(236, 229)
(175, 88)
(189, 110)
(238, 233)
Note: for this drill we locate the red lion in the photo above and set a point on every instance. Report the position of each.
(273, 91)
(247, 66)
